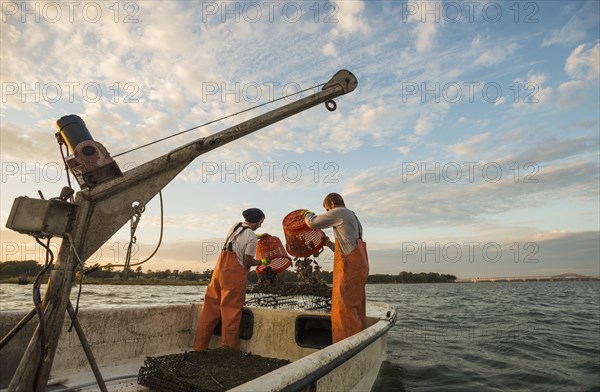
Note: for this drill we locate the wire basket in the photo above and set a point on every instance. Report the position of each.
(301, 240)
(271, 247)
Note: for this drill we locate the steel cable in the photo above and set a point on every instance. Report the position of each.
(217, 120)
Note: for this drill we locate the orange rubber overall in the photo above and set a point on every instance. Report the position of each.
(348, 301)
(224, 299)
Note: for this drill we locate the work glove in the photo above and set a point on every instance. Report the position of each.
(261, 236)
(265, 261)
(306, 212)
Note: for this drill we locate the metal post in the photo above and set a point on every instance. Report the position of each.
(17, 328)
(86, 348)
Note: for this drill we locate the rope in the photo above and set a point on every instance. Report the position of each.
(214, 121)
(71, 243)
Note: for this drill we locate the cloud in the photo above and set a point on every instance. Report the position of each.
(167, 68)
(470, 146)
(518, 256)
(34, 144)
(431, 116)
(500, 101)
(532, 93)
(575, 30)
(425, 35)
(569, 34)
(590, 124)
(195, 255)
(349, 17)
(426, 30)
(572, 94)
(404, 150)
(171, 65)
(423, 126)
(584, 64)
(495, 56)
(430, 193)
(330, 50)
(554, 149)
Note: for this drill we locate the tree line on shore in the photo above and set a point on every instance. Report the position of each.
(30, 268)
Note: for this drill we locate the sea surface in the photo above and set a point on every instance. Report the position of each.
(510, 336)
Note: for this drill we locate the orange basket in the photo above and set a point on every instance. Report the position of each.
(301, 240)
(272, 248)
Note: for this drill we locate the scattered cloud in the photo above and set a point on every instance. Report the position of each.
(330, 50)
(423, 126)
(453, 194)
(575, 30)
(516, 256)
(349, 16)
(425, 35)
(470, 146)
(572, 94)
(497, 55)
(584, 63)
(156, 78)
(404, 150)
(532, 92)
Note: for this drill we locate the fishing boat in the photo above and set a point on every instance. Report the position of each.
(122, 338)
(113, 343)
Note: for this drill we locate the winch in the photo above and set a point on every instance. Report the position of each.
(90, 162)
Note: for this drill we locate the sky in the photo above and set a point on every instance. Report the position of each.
(470, 146)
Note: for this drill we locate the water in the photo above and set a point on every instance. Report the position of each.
(538, 336)
(493, 337)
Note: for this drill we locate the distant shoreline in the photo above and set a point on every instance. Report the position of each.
(131, 282)
(172, 282)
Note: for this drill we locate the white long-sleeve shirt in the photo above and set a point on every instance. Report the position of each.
(345, 225)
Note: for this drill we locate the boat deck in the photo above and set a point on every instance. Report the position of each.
(121, 339)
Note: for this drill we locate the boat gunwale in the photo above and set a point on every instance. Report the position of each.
(338, 353)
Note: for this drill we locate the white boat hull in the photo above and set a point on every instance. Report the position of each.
(121, 338)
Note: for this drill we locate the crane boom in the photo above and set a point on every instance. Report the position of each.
(104, 209)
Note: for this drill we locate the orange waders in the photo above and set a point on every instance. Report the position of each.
(348, 307)
(224, 299)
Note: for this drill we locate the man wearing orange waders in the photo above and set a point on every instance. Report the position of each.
(350, 266)
(226, 292)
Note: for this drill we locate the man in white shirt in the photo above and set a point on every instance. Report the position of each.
(350, 266)
(226, 292)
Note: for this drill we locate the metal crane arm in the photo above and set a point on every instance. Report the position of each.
(104, 209)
